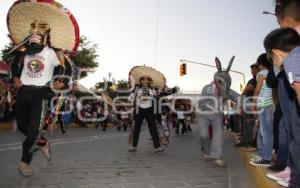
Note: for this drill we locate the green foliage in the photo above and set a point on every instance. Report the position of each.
(86, 55)
(123, 84)
(108, 85)
(79, 94)
(4, 53)
(112, 87)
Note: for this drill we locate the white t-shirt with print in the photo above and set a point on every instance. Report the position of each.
(144, 97)
(38, 68)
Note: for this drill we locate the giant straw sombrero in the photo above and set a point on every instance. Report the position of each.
(158, 79)
(64, 32)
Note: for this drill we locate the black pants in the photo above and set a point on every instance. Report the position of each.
(150, 118)
(183, 129)
(248, 123)
(276, 121)
(28, 115)
(124, 123)
(102, 123)
(60, 118)
(295, 146)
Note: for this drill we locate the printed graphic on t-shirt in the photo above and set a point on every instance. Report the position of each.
(144, 98)
(38, 68)
(35, 68)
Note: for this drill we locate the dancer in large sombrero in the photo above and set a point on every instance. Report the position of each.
(42, 31)
(144, 79)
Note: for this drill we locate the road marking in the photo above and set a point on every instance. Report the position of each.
(66, 141)
(56, 139)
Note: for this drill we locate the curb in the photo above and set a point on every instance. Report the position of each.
(5, 126)
(258, 174)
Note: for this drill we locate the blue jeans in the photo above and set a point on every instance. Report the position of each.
(295, 147)
(265, 138)
(284, 140)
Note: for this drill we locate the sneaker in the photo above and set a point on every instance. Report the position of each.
(260, 162)
(284, 182)
(159, 149)
(132, 149)
(281, 175)
(46, 151)
(24, 169)
(255, 157)
(220, 163)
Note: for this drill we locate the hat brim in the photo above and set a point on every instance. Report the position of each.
(158, 79)
(64, 32)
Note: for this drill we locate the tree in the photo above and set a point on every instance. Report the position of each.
(85, 57)
(5, 55)
(107, 86)
(123, 84)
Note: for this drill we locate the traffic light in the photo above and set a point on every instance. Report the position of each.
(183, 69)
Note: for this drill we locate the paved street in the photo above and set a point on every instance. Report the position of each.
(92, 158)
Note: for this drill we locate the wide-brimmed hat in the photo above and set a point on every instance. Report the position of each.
(64, 32)
(158, 79)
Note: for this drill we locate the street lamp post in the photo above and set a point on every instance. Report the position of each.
(109, 75)
(270, 13)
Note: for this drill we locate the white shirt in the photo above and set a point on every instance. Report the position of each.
(180, 115)
(144, 97)
(38, 68)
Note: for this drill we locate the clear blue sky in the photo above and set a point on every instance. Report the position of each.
(198, 30)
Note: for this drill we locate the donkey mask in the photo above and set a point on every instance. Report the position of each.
(222, 78)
